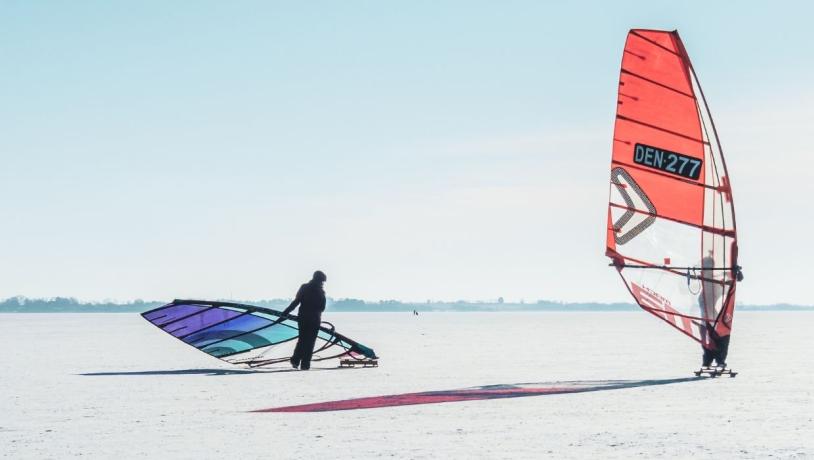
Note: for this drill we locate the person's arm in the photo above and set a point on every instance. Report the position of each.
(297, 300)
(322, 307)
(289, 308)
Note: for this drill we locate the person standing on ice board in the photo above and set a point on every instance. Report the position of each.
(311, 299)
(711, 292)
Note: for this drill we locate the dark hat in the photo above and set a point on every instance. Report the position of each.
(319, 276)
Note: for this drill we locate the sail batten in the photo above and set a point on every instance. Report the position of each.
(659, 128)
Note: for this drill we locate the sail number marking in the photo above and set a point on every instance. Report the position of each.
(667, 161)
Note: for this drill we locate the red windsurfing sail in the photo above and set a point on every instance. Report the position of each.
(671, 222)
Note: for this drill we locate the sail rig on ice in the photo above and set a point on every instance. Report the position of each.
(245, 334)
(671, 230)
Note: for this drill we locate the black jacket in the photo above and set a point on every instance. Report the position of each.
(311, 299)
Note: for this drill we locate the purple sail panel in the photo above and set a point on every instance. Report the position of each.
(200, 321)
(227, 330)
(170, 313)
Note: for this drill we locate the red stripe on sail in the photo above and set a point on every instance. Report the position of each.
(659, 306)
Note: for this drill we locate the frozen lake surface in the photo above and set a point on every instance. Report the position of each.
(112, 385)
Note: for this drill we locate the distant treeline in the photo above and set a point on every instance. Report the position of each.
(462, 305)
(71, 305)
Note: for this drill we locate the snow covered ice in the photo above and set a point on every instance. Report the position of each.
(112, 385)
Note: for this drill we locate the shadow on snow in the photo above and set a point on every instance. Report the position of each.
(200, 372)
(518, 390)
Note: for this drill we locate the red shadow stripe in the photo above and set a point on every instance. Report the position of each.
(432, 397)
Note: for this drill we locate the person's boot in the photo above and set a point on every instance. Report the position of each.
(294, 363)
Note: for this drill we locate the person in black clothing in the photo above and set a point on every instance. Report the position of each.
(311, 299)
(711, 292)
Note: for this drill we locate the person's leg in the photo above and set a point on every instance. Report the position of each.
(708, 356)
(309, 337)
(297, 356)
(706, 361)
(723, 350)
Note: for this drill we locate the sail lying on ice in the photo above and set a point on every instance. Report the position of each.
(671, 222)
(245, 334)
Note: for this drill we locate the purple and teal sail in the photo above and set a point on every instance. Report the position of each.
(245, 334)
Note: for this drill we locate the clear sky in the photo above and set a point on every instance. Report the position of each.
(412, 150)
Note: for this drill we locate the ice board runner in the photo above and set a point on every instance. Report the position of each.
(350, 362)
(711, 371)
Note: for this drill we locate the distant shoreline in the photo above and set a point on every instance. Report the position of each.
(69, 305)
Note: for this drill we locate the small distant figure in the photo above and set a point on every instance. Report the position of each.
(311, 299)
(415, 312)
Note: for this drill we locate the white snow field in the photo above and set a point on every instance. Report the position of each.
(114, 386)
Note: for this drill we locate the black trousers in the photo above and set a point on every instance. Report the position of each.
(722, 348)
(305, 343)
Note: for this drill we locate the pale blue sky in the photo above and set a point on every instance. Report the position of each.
(412, 150)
